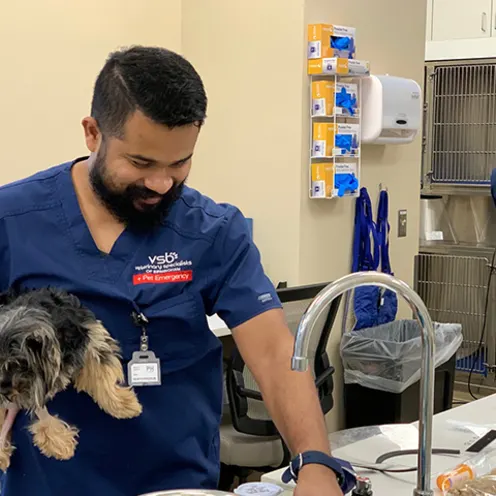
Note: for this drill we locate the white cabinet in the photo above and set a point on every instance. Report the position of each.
(460, 29)
(461, 19)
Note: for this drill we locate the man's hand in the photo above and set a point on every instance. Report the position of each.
(317, 480)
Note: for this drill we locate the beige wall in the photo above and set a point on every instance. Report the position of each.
(249, 54)
(51, 52)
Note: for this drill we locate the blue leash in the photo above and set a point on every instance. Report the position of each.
(388, 306)
(383, 229)
(364, 258)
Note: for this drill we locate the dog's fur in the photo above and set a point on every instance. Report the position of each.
(49, 340)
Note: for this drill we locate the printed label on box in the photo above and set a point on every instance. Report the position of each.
(314, 49)
(343, 31)
(345, 168)
(322, 97)
(318, 189)
(322, 180)
(318, 106)
(319, 148)
(337, 65)
(358, 67)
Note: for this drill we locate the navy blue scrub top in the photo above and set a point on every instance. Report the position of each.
(200, 262)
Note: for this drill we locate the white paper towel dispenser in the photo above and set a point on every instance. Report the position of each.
(391, 110)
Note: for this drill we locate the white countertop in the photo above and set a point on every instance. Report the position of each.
(446, 434)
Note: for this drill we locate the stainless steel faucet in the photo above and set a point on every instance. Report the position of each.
(322, 301)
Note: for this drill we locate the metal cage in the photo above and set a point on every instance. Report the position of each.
(459, 145)
(454, 289)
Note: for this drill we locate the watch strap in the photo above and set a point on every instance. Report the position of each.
(344, 471)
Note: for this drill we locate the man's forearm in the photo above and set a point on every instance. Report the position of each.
(266, 344)
(292, 400)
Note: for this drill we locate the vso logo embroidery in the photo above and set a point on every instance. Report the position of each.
(166, 258)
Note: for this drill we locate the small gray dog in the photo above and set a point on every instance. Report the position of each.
(48, 340)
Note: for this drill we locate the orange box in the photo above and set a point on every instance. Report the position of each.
(328, 137)
(337, 65)
(323, 139)
(323, 97)
(322, 180)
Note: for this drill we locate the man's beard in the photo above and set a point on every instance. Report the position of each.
(121, 204)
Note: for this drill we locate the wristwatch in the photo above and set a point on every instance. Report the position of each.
(344, 471)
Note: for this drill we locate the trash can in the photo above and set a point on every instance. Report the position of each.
(382, 371)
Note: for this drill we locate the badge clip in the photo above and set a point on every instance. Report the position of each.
(144, 367)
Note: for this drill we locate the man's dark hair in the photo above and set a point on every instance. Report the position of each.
(158, 82)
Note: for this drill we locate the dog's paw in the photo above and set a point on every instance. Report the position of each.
(5, 454)
(54, 438)
(124, 404)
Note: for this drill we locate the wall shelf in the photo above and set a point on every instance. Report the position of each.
(335, 124)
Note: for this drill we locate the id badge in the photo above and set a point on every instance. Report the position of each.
(144, 369)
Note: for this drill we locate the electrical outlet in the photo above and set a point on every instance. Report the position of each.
(402, 223)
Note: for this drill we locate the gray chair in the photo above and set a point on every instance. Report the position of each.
(251, 442)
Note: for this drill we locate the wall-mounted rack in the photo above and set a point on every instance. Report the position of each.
(335, 124)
